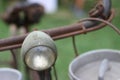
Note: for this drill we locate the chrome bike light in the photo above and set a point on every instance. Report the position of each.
(39, 51)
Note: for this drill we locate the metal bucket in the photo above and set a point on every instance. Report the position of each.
(10, 74)
(96, 65)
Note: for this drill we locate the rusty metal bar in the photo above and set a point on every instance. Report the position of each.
(56, 33)
(76, 29)
(103, 9)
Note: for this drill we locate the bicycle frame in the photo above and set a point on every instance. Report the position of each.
(102, 11)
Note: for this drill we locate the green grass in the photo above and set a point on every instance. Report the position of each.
(100, 39)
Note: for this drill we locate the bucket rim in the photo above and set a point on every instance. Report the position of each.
(71, 73)
(19, 74)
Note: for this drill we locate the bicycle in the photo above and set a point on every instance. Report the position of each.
(102, 12)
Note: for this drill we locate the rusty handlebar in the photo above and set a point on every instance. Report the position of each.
(102, 10)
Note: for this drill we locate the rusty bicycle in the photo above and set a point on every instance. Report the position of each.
(38, 50)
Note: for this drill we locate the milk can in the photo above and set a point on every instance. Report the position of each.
(101, 64)
(10, 74)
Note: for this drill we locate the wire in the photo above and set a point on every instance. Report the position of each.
(74, 46)
(101, 20)
(55, 72)
(95, 19)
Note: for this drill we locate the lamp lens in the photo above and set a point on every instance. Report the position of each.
(40, 58)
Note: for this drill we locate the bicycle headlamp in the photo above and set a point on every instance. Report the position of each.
(39, 51)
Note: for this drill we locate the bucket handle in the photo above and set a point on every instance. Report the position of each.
(104, 67)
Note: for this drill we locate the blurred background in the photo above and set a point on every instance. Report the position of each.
(65, 12)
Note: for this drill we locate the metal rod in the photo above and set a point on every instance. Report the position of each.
(45, 75)
(67, 31)
(74, 46)
(55, 72)
(14, 58)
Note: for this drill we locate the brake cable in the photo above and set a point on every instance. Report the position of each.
(93, 19)
(104, 21)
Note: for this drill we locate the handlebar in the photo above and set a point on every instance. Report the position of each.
(102, 10)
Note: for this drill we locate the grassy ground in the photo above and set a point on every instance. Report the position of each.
(101, 39)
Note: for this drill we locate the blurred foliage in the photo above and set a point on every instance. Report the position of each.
(70, 3)
(4, 3)
(89, 4)
(65, 3)
(61, 3)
